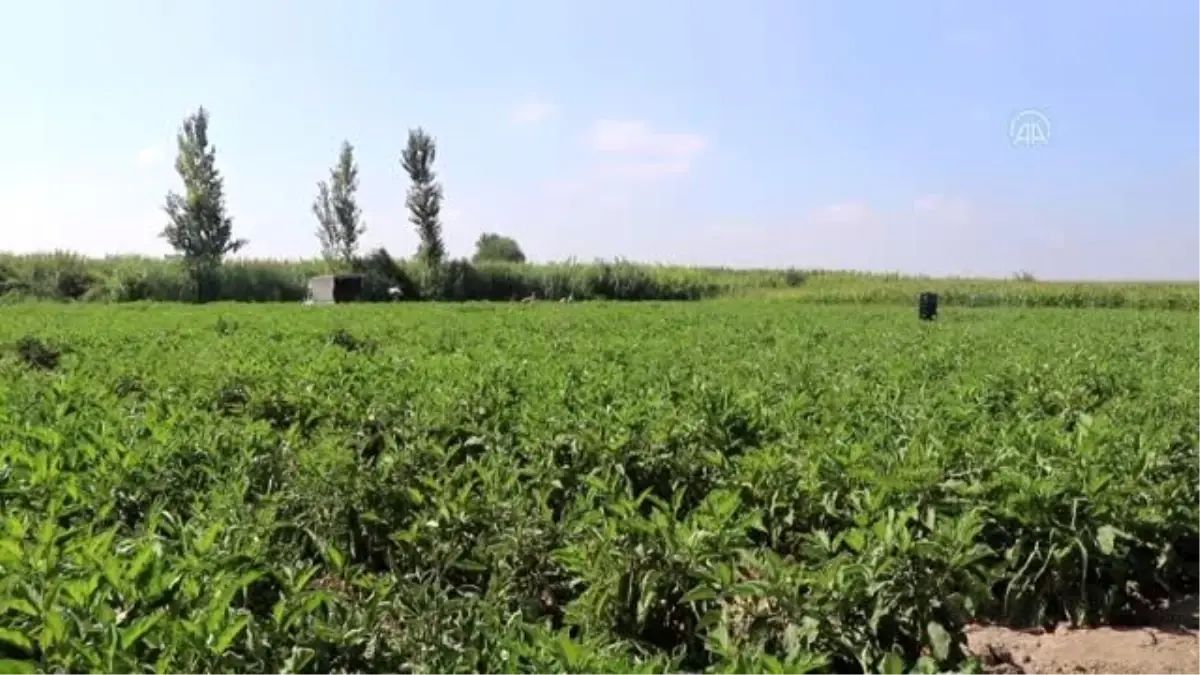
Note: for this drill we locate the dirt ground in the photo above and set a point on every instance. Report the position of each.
(1170, 643)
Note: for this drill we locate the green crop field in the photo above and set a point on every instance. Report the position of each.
(727, 485)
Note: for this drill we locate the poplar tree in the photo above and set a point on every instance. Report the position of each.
(424, 200)
(199, 230)
(336, 208)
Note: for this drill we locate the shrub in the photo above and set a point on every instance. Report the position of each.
(37, 353)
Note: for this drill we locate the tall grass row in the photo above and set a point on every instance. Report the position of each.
(68, 276)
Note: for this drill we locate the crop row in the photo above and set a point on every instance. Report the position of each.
(722, 486)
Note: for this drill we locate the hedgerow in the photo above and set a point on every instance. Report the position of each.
(69, 277)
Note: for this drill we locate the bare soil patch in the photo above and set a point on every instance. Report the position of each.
(1169, 642)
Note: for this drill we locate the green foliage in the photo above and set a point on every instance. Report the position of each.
(199, 228)
(337, 211)
(131, 278)
(37, 353)
(424, 199)
(381, 273)
(64, 276)
(346, 340)
(497, 248)
(727, 486)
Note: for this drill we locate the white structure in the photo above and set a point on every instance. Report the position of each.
(331, 288)
(320, 290)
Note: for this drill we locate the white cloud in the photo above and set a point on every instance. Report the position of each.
(532, 112)
(636, 137)
(629, 159)
(149, 156)
(642, 151)
(954, 209)
(646, 169)
(846, 213)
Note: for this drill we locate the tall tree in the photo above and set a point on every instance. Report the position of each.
(199, 229)
(336, 208)
(492, 247)
(424, 200)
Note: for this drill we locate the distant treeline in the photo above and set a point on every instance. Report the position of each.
(127, 278)
(66, 276)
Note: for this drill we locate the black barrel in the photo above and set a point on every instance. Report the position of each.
(927, 306)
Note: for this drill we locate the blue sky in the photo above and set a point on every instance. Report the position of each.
(811, 133)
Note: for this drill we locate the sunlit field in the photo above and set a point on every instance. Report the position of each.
(727, 485)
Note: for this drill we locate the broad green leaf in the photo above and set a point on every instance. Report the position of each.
(229, 634)
(892, 664)
(15, 667)
(16, 640)
(138, 628)
(1106, 539)
(939, 640)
